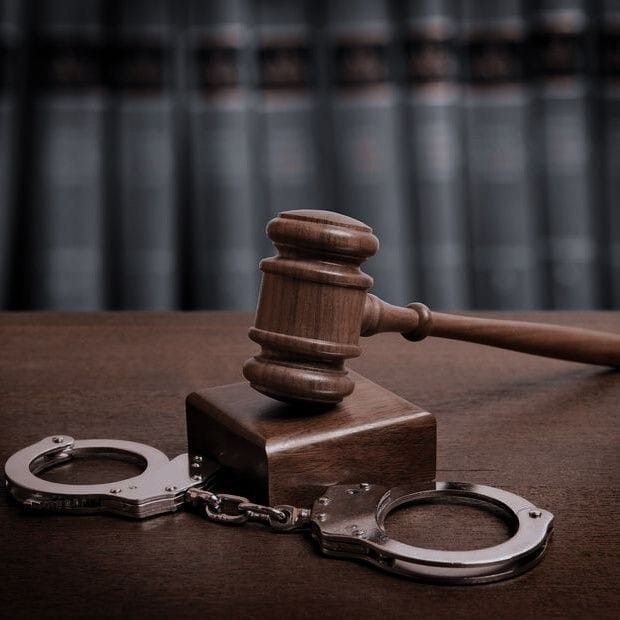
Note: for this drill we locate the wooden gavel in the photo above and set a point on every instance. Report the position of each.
(314, 305)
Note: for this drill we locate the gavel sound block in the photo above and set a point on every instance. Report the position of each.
(279, 453)
(313, 307)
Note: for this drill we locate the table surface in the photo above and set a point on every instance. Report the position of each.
(544, 429)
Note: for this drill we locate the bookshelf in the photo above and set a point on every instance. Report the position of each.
(144, 146)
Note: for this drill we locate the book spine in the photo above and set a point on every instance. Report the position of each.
(288, 108)
(565, 148)
(610, 57)
(497, 114)
(11, 44)
(67, 173)
(144, 212)
(221, 111)
(435, 157)
(367, 154)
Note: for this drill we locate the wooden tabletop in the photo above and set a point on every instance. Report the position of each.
(544, 429)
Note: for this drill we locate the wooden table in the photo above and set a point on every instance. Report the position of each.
(543, 429)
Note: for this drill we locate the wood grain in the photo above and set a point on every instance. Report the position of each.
(278, 453)
(314, 305)
(544, 429)
(417, 321)
(310, 306)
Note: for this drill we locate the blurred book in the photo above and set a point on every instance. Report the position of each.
(610, 61)
(288, 110)
(564, 149)
(12, 15)
(144, 145)
(67, 167)
(224, 217)
(143, 209)
(435, 156)
(497, 108)
(367, 146)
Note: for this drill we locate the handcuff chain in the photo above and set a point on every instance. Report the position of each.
(237, 510)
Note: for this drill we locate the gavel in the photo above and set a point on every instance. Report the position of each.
(314, 305)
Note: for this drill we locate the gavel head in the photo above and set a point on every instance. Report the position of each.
(310, 306)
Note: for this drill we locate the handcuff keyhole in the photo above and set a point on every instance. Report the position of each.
(448, 526)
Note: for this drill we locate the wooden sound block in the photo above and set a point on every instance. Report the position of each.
(277, 453)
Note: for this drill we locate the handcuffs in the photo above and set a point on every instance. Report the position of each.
(347, 520)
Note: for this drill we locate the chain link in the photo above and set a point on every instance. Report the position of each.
(237, 510)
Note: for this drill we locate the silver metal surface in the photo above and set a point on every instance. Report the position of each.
(351, 525)
(160, 488)
(347, 521)
(236, 510)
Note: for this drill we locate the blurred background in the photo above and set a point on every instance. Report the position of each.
(144, 144)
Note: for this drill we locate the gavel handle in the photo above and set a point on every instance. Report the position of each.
(416, 322)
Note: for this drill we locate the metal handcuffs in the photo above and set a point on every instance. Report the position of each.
(347, 521)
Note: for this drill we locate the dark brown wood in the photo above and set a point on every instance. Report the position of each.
(310, 306)
(545, 429)
(314, 304)
(284, 454)
(417, 322)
